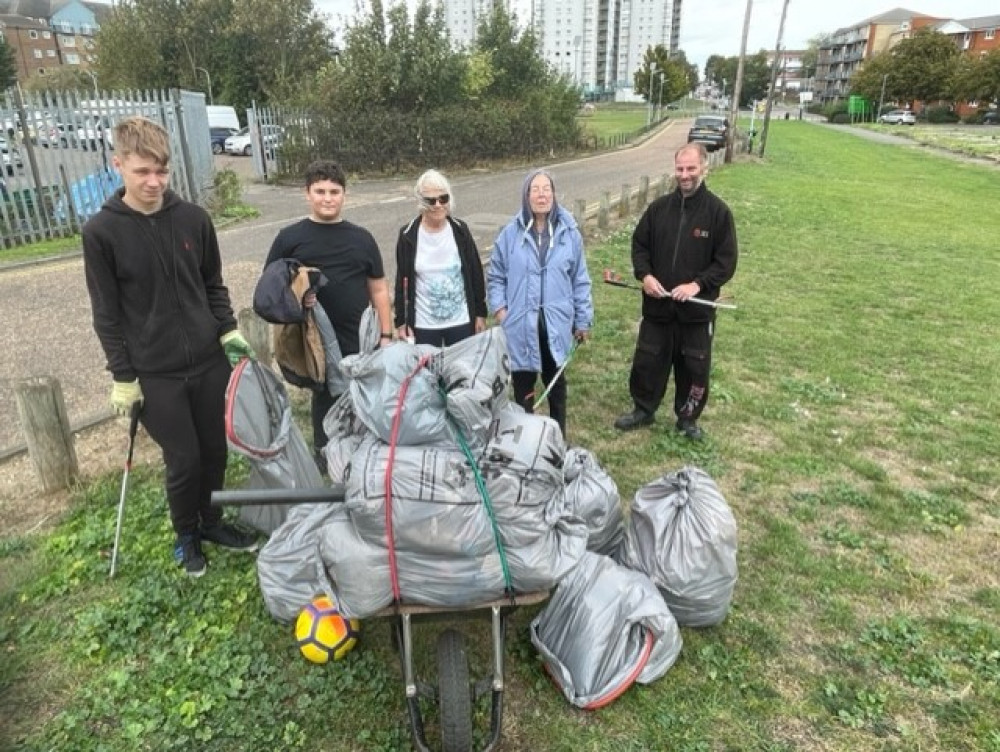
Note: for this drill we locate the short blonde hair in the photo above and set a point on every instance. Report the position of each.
(142, 137)
(433, 178)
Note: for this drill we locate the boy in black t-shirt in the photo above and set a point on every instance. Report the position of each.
(349, 257)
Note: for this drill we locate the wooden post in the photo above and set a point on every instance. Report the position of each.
(604, 211)
(580, 213)
(257, 333)
(643, 192)
(45, 426)
(624, 206)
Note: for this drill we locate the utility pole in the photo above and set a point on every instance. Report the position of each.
(881, 97)
(734, 107)
(774, 78)
(209, 79)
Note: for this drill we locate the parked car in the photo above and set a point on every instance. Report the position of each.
(11, 157)
(219, 136)
(991, 118)
(898, 117)
(241, 143)
(710, 130)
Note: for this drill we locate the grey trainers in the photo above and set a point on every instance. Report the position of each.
(188, 554)
(229, 536)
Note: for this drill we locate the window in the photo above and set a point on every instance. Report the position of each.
(46, 35)
(41, 71)
(50, 53)
(72, 59)
(989, 33)
(67, 41)
(32, 34)
(37, 53)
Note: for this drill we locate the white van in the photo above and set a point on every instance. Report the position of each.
(222, 116)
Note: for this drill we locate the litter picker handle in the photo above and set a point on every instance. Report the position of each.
(133, 427)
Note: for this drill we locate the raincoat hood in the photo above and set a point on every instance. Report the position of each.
(527, 215)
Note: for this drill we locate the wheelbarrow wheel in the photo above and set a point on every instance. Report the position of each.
(454, 693)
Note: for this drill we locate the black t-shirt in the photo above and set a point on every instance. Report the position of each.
(349, 256)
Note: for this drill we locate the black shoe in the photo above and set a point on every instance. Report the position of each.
(229, 536)
(187, 554)
(635, 419)
(690, 429)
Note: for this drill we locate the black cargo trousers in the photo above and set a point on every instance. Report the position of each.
(685, 348)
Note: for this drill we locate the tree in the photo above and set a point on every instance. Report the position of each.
(721, 71)
(518, 68)
(677, 75)
(978, 78)
(61, 78)
(8, 65)
(810, 58)
(253, 49)
(923, 67)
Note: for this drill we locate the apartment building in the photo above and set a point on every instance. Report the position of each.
(47, 34)
(597, 44)
(792, 76)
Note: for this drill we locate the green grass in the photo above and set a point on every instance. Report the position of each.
(605, 122)
(40, 250)
(853, 429)
(981, 141)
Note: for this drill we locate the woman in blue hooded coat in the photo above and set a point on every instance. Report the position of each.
(538, 289)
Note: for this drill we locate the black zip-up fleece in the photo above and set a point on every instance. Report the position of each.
(685, 239)
(156, 289)
(472, 271)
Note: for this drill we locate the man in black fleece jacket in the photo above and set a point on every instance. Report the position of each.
(163, 317)
(684, 246)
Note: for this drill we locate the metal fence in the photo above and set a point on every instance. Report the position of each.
(57, 155)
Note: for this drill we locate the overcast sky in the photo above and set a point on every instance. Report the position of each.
(716, 26)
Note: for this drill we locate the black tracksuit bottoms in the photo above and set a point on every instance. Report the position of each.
(524, 385)
(685, 348)
(185, 415)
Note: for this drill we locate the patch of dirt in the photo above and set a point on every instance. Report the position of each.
(26, 509)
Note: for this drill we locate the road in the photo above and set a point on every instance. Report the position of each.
(46, 310)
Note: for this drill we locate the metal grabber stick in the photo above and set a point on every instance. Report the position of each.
(611, 278)
(545, 393)
(406, 311)
(132, 428)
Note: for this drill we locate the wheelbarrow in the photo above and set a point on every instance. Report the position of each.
(455, 693)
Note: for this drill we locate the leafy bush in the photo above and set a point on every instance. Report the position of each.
(841, 118)
(835, 109)
(940, 115)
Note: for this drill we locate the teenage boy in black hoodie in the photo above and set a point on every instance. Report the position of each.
(683, 246)
(163, 317)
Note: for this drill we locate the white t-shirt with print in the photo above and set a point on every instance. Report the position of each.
(440, 292)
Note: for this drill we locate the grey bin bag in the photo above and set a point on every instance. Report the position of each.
(593, 496)
(259, 426)
(446, 553)
(344, 432)
(376, 379)
(289, 567)
(604, 628)
(682, 534)
(336, 381)
(474, 374)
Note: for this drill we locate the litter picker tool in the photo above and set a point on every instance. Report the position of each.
(545, 392)
(132, 428)
(611, 278)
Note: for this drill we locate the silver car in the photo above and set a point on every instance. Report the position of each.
(898, 117)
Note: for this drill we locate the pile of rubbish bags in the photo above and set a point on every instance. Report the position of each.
(453, 496)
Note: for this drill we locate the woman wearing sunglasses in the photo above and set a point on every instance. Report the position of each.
(440, 291)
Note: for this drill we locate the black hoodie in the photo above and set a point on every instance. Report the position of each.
(156, 289)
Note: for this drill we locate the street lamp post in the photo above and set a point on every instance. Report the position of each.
(93, 78)
(652, 72)
(208, 77)
(659, 100)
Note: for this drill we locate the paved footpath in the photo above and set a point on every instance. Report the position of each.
(46, 310)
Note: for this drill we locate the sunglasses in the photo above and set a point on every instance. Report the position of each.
(443, 199)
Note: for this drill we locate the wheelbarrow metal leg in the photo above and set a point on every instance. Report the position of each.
(410, 684)
(496, 706)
